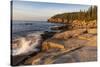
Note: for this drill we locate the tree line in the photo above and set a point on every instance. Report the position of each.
(90, 14)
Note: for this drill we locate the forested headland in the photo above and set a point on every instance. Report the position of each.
(77, 19)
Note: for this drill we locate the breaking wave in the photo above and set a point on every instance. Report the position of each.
(26, 45)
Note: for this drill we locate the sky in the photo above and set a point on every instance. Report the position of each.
(41, 11)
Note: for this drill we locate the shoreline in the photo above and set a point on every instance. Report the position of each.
(88, 43)
(55, 37)
(74, 35)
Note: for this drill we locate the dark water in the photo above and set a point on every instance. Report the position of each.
(20, 28)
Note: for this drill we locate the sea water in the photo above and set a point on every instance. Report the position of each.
(21, 28)
(29, 29)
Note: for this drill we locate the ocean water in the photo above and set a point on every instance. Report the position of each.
(21, 28)
(32, 29)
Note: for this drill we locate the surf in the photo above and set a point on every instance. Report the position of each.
(26, 45)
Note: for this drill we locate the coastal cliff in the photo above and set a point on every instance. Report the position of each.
(75, 24)
(81, 19)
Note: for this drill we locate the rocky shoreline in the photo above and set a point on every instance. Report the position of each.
(80, 47)
(73, 24)
(77, 45)
(76, 42)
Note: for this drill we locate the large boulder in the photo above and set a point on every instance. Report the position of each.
(92, 24)
(92, 31)
(52, 45)
(68, 34)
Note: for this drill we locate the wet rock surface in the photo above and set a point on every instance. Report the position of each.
(77, 45)
(81, 48)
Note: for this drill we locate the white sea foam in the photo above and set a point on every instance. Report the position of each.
(27, 45)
